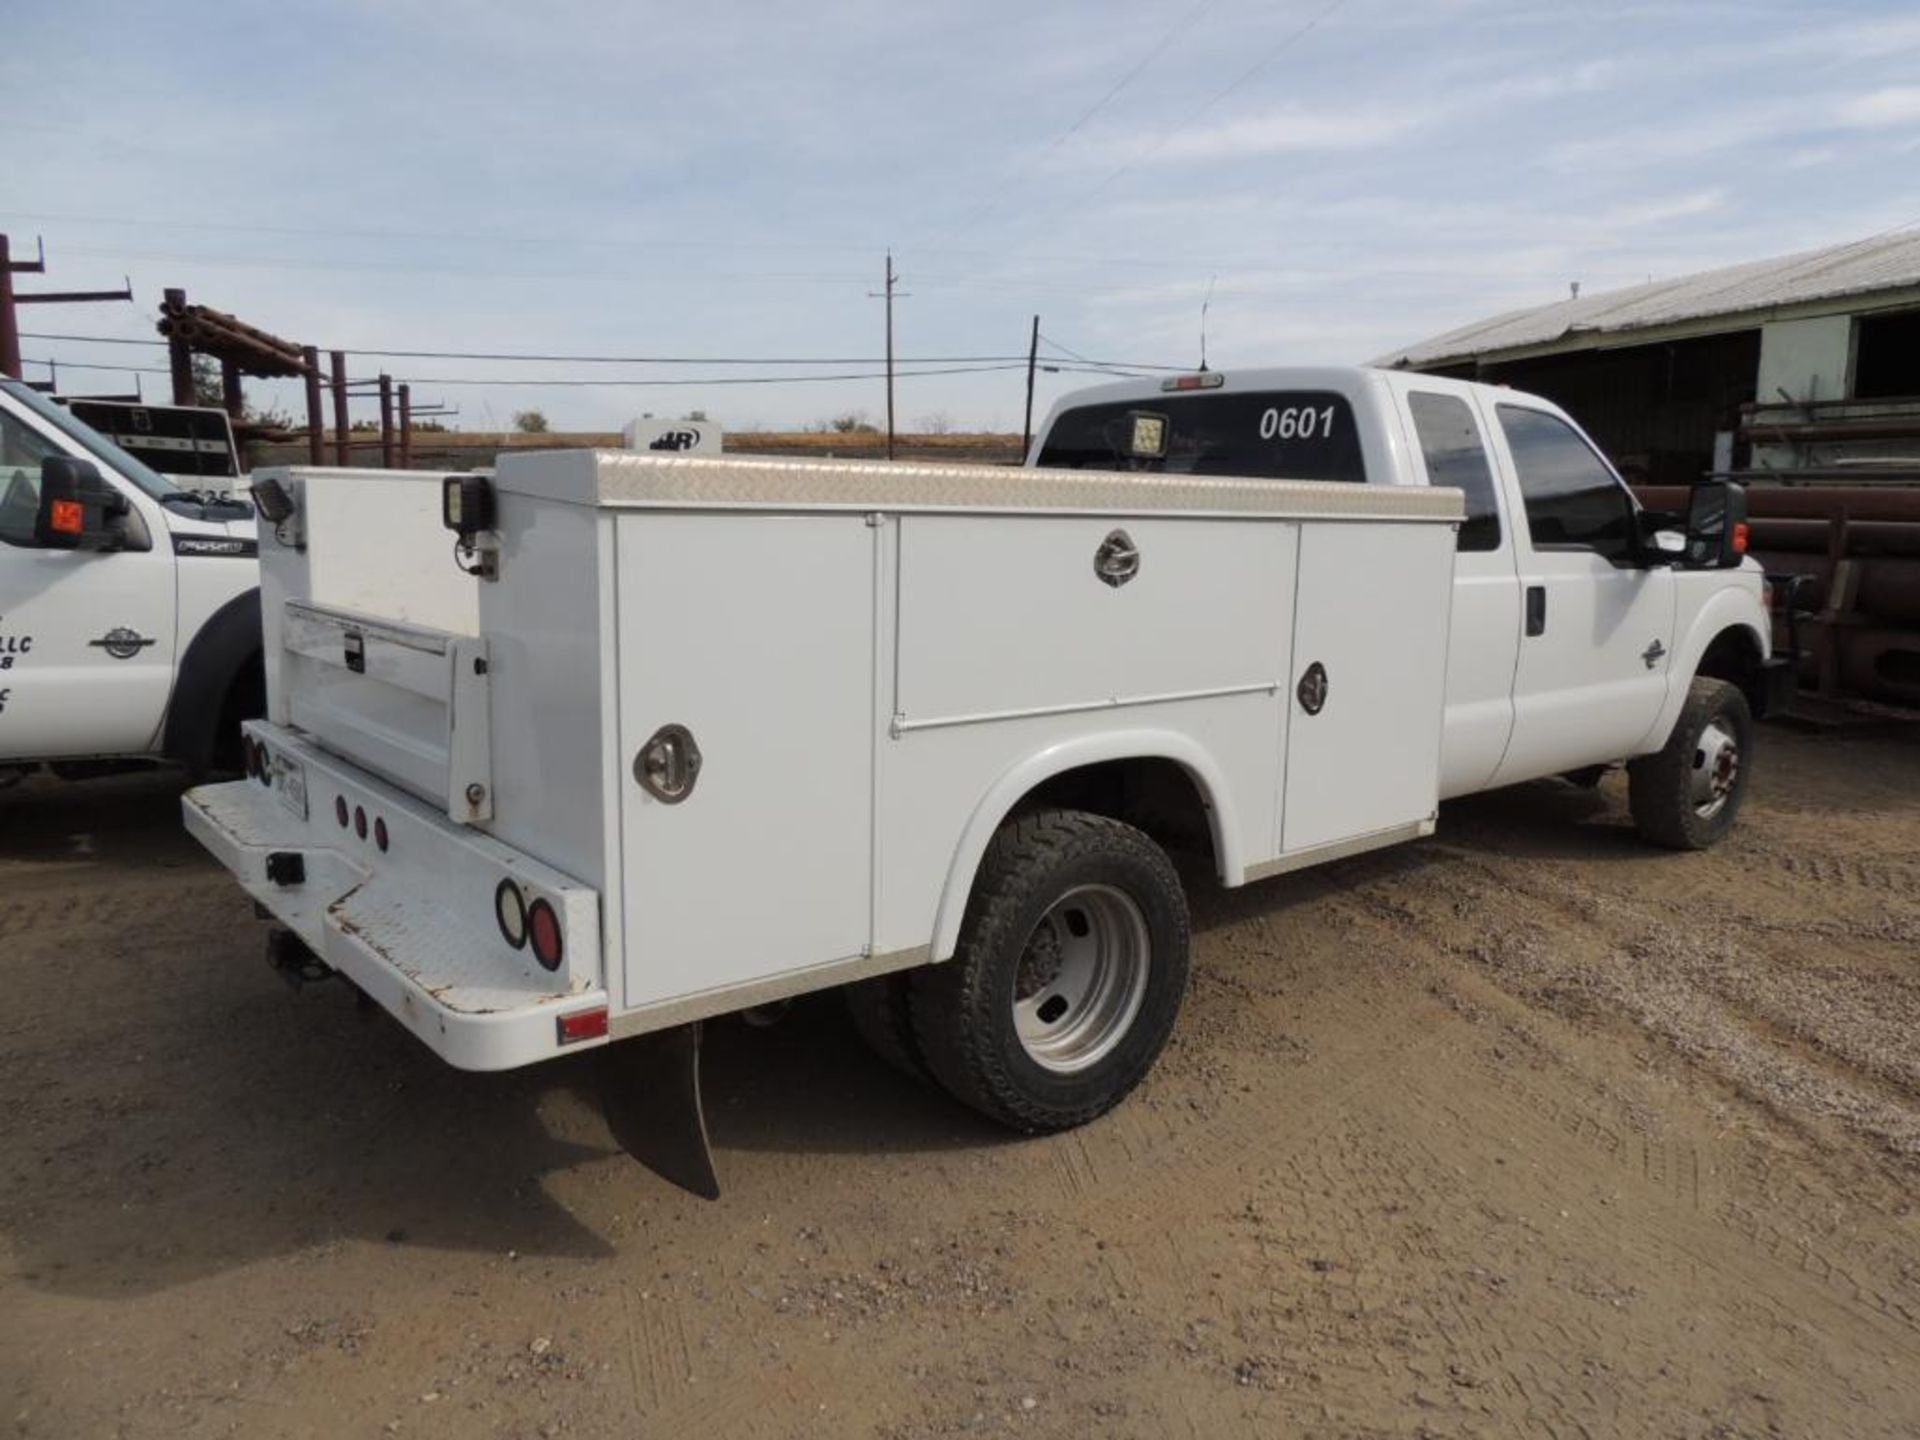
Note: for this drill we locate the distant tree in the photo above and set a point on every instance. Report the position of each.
(697, 415)
(851, 422)
(938, 423)
(530, 422)
(207, 389)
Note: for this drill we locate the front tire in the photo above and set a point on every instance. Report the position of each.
(1687, 795)
(1070, 971)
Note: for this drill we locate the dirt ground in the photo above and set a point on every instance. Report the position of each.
(1523, 1130)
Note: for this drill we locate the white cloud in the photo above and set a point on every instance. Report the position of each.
(1895, 105)
(1294, 129)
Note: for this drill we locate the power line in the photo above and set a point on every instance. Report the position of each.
(1025, 168)
(526, 357)
(1148, 151)
(645, 383)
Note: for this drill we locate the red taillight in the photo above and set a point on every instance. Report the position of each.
(1741, 535)
(360, 821)
(340, 810)
(380, 834)
(583, 1025)
(69, 517)
(543, 929)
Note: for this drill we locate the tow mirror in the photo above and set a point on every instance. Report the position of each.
(1662, 541)
(78, 510)
(1717, 531)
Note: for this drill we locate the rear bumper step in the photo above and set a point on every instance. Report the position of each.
(409, 917)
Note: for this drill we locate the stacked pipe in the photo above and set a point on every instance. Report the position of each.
(214, 332)
(1860, 546)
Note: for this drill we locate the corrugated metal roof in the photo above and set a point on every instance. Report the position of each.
(1883, 262)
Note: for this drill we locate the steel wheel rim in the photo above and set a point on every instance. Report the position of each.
(1082, 978)
(1716, 771)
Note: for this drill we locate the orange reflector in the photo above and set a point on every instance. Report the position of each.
(583, 1025)
(1741, 535)
(69, 517)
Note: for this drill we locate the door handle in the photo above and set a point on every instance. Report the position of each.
(1536, 609)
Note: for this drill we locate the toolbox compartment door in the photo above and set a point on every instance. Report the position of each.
(754, 632)
(407, 702)
(1373, 615)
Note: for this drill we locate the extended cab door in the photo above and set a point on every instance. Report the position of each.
(1484, 634)
(86, 637)
(1597, 624)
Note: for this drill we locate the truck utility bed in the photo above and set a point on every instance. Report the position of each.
(870, 666)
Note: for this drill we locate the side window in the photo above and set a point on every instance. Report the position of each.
(1450, 440)
(21, 451)
(1573, 500)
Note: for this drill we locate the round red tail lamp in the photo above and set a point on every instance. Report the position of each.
(510, 910)
(543, 930)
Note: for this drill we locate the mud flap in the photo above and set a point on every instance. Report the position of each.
(650, 1093)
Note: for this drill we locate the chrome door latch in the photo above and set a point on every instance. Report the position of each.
(1312, 689)
(668, 764)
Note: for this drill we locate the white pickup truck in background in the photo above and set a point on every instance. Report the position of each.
(129, 606)
(646, 740)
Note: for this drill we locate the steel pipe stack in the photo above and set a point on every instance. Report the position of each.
(1860, 546)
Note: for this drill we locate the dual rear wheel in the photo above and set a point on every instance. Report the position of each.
(1070, 970)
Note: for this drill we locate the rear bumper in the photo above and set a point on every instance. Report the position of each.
(1779, 680)
(412, 925)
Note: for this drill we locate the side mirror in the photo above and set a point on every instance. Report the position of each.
(1661, 539)
(1716, 525)
(78, 510)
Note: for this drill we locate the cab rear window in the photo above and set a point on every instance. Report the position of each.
(1279, 435)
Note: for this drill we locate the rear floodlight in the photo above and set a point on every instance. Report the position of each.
(466, 504)
(1146, 435)
(276, 505)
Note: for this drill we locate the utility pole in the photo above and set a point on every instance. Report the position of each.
(889, 294)
(9, 317)
(10, 301)
(1033, 360)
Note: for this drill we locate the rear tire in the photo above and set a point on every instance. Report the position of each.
(878, 1009)
(1070, 971)
(1687, 795)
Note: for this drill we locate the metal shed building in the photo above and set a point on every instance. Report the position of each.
(1790, 364)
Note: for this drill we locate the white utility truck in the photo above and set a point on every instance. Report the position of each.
(668, 737)
(129, 606)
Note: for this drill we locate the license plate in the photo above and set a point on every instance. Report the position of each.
(290, 784)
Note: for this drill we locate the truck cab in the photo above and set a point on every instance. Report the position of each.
(132, 634)
(1578, 622)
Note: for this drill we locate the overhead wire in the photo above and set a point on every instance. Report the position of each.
(526, 357)
(1022, 170)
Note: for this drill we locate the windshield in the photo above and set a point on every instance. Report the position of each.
(1291, 434)
(91, 440)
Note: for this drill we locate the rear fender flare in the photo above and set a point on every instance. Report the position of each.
(1020, 780)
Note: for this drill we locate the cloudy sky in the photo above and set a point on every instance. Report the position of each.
(722, 180)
